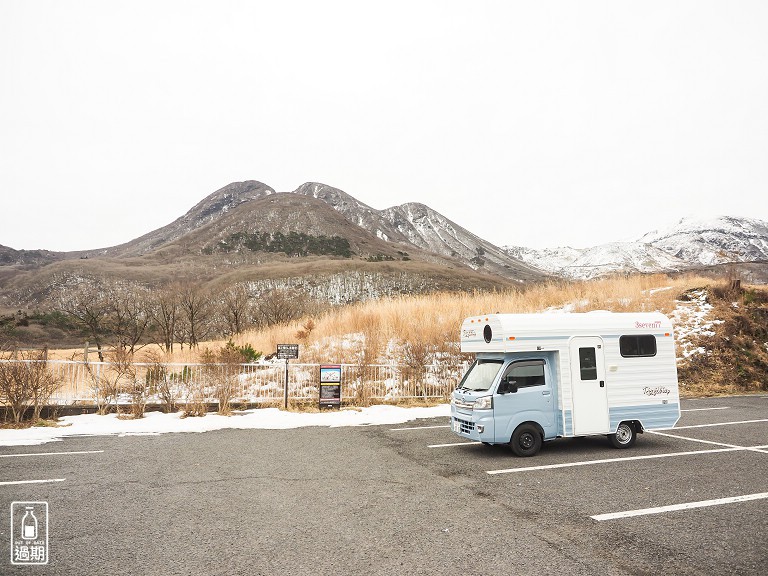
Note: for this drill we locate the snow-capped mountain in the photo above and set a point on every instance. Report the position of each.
(409, 231)
(690, 242)
(713, 240)
(414, 224)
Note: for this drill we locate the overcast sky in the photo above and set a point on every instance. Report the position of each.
(529, 123)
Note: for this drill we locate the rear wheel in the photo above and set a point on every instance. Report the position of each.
(624, 437)
(526, 440)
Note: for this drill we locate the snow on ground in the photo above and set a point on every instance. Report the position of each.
(264, 418)
(690, 320)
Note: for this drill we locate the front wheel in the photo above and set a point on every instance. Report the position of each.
(526, 440)
(624, 437)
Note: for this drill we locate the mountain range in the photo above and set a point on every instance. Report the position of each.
(689, 243)
(337, 248)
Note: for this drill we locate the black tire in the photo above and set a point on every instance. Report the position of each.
(625, 436)
(526, 440)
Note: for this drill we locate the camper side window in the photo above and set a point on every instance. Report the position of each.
(526, 374)
(588, 363)
(637, 346)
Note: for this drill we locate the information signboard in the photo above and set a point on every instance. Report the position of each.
(287, 351)
(330, 386)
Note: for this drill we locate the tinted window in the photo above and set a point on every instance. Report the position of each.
(635, 346)
(588, 363)
(526, 374)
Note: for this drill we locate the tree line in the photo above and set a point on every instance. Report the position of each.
(127, 315)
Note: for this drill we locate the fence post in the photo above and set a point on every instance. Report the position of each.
(286, 383)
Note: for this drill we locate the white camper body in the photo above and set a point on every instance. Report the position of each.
(543, 376)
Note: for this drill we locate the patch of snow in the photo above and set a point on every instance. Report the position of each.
(691, 320)
(155, 423)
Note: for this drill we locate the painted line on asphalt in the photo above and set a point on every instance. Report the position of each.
(715, 424)
(420, 428)
(748, 448)
(676, 507)
(703, 409)
(612, 460)
(51, 453)
(32, 481)
(454, 444)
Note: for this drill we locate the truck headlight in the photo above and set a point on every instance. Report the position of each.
(484, 403)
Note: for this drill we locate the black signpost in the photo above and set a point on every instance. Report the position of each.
(287, 352)
(330, 386)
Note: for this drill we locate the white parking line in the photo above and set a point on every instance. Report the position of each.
(50, 453)
(454, 444)
(32, 481)
(610, 460)
(675, 507)
(715, 424)
(752, 449)
(420, 428)
(703, 409)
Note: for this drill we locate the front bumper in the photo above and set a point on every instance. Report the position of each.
(477, 426)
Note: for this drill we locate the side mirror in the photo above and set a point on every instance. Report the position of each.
(507, 385)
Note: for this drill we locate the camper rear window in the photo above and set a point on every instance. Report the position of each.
(637, 346)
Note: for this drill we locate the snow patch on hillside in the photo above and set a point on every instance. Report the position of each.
(691, 320)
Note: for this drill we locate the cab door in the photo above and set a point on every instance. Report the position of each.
(524, 394)
(590, 396)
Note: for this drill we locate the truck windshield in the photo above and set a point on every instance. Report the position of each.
(481, 374)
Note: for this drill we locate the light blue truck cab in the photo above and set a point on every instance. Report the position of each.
(502, 391)
(537, 377)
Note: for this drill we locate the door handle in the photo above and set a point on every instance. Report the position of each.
(602, 383)
(546, 392)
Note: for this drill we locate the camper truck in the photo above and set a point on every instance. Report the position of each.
(537, 377)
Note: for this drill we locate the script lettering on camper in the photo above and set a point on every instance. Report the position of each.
(656, 390)
(469, 333)
(653, 325)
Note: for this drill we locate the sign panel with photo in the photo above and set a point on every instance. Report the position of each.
(330, 386)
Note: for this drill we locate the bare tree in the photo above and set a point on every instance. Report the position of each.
(282, 305)
(129, 315)
(25, 379)
(196, 311)
(164, 309)
(236, 308)
(89, 307)
(161, 382)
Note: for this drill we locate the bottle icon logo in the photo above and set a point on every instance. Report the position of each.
(29, 533)
(29, 524)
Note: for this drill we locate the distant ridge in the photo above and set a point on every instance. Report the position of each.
(409, 231)
(691, 242)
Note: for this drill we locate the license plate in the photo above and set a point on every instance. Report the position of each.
(456, 426)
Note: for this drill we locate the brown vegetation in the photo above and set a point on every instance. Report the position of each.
(736, 355)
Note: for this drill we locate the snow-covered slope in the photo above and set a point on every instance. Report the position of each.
(611, 258)
(690, 242)
(713, 240)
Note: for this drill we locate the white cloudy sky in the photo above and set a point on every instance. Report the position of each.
(532, 123)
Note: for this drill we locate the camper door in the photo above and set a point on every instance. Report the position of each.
(590, 396)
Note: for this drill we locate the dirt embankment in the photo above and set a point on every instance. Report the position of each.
(735, 353)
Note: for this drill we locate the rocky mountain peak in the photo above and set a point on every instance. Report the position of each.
(225, 199)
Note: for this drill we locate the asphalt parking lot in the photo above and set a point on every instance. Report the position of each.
(407, 499)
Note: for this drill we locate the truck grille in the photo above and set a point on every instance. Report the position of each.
(460, 404)
(463, 426)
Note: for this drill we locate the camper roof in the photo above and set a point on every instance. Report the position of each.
(510, 332)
